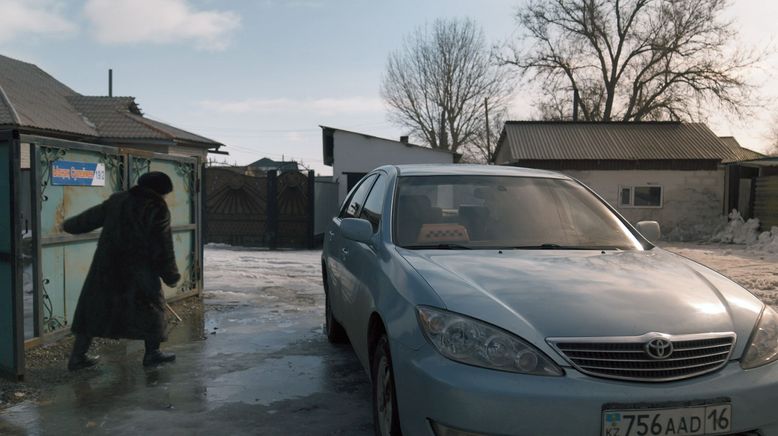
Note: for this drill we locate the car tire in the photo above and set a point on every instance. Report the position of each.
(332, 328)
(386, 419)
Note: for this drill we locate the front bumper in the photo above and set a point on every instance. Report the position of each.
(483, 401)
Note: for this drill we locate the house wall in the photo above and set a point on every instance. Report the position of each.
(355, 153)
(326, 204)
(692, 203)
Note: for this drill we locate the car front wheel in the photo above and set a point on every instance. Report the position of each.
(386, 419)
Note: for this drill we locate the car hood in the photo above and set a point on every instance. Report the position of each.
(567, 293)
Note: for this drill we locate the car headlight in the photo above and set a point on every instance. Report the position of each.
(763, 348)
(477, 343)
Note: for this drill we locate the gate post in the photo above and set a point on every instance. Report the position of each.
(311, 208)
(11, 314)
(271, 229)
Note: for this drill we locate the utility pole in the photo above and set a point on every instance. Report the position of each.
(488, 133)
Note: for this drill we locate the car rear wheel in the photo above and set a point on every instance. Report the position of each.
(386, 419)
(335, 332)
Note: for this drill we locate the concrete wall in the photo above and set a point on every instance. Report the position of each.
(693, 201)
(355, 153)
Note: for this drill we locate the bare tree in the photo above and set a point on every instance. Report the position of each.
(772, 148)
(435, 85)
(482, 148)
(632, 60)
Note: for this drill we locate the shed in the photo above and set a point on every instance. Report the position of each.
(671, 172)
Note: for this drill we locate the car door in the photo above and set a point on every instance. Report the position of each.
(363, 267)
(334, 246)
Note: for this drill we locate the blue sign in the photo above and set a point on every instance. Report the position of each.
(67, 173)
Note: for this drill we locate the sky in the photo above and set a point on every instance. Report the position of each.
(261, 75)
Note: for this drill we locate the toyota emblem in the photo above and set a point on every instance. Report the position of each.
(659, 348)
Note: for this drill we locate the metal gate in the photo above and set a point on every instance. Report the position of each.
(11, 318)
(63, 260)
(766, 201)
(236, 212)
(260, 210)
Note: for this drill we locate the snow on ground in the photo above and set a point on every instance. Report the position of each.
(235, 269)
(279, 283)
(755, 270)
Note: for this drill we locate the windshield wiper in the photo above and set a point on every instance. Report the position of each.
(438, 247)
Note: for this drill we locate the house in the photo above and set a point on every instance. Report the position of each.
(265, 164)
(671, 172)
(35, 103)
(63, 153)
(352, 155)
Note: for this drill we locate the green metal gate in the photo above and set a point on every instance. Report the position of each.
(63, 259)
(11, 318)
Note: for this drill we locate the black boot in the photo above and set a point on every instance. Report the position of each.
(153, 356)
(78, 358)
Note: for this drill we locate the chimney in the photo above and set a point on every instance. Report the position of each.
(404, 139)
(110, 82)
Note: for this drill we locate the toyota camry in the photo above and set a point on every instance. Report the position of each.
(488, 300)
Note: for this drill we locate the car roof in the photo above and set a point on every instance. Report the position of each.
(474, 170)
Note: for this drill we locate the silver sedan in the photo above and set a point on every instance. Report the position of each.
(500, 301)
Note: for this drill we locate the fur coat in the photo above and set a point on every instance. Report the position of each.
(122, 295)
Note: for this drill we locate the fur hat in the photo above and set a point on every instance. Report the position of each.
(156, 181)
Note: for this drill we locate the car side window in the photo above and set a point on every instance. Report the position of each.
(374, 204)
(358, 199)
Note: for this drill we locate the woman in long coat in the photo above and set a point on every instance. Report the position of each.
(122, 295)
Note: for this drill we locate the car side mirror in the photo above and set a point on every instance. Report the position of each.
(356, 229)
(650, 230)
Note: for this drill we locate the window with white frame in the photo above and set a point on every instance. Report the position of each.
(640, 196)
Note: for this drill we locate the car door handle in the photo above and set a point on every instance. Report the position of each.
(332, 235)
(344, 251)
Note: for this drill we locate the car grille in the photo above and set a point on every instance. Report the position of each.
(627, 358)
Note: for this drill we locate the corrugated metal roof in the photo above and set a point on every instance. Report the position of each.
(545, 140)
(171, 131)
(38, 100)
(740, 152)
(29, 97)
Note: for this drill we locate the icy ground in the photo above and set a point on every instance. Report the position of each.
(255, 362)
(235, 275)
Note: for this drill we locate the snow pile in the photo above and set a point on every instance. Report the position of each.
(695, 229)
(739, 231)
(767, 241)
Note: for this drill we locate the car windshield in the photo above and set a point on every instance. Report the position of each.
(471, 212)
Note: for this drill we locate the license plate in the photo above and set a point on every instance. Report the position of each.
(696, 420)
